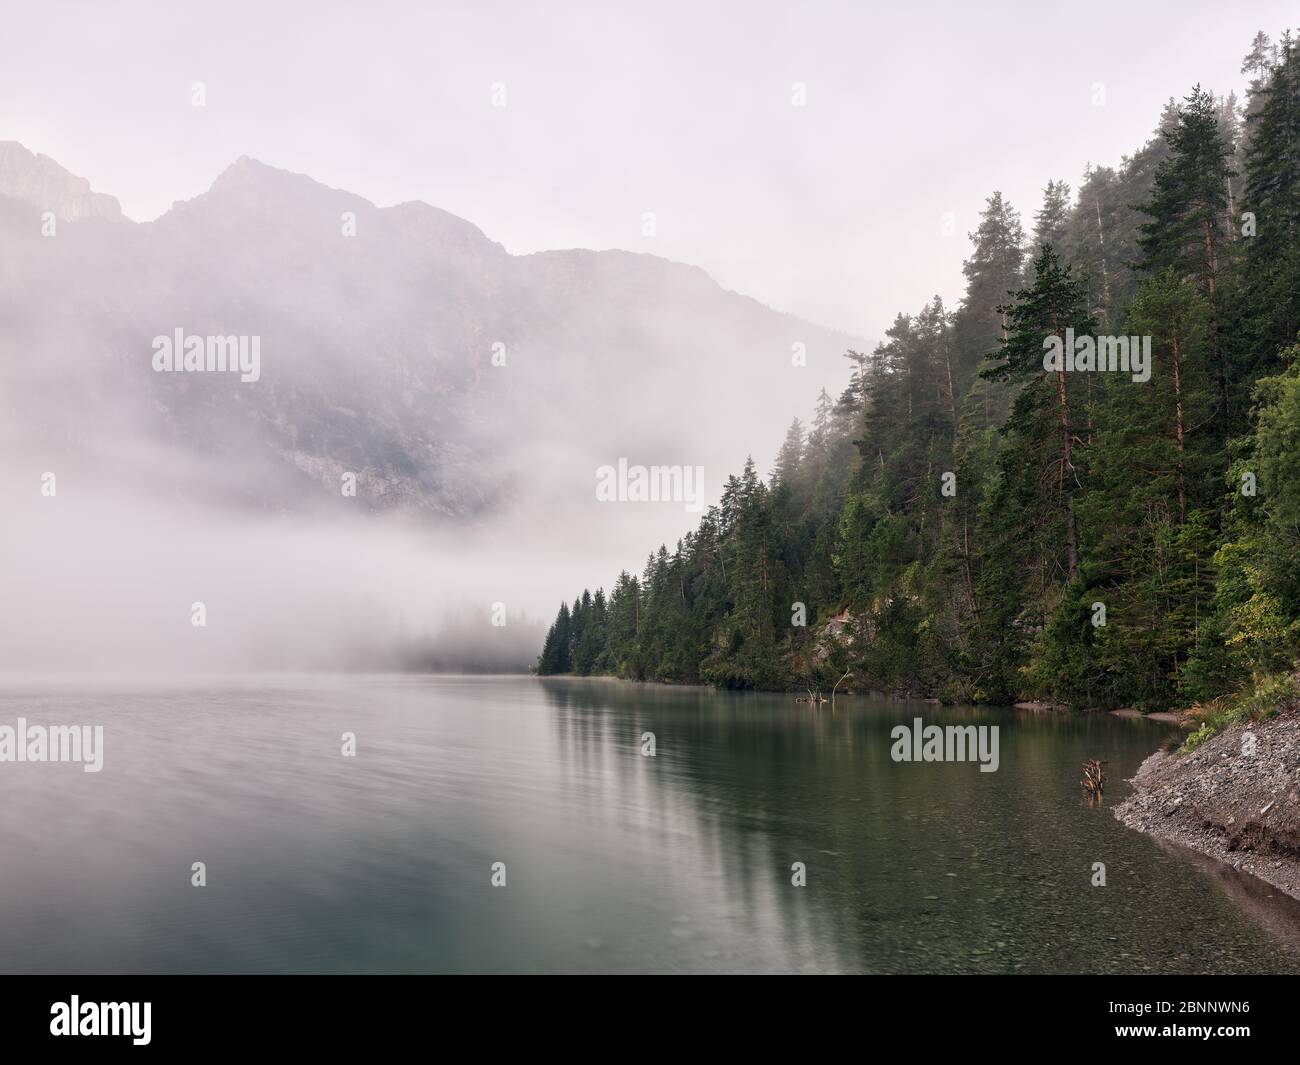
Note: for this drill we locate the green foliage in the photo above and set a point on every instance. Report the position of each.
(1257, 703)
(1198, 737)
(953, 523)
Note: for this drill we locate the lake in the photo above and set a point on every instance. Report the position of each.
(614, 861)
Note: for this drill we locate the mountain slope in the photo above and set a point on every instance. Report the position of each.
(377, 331)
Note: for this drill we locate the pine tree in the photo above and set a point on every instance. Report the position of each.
(789, 459)
(1044, 421)
(595, 636)
(993, 272)
(1271, 285)
(1051, 219)
(1149, 514)
(1189, 220)
(556, 656)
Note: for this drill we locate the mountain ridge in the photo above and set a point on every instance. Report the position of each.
(37, 179)
(401, 343)
(237, 174)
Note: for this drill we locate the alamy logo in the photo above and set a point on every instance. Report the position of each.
(651, 484)
(58, 743)
(920, 742)
(1105, 354)
(102, 1018)
(208, 354)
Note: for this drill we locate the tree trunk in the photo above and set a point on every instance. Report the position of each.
(1219, 368)
(952, 391)
(1067, 464)
(1178, 430)
(1101, 243)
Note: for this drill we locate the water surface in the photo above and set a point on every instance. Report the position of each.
(615, 862)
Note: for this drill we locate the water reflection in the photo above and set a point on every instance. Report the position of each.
(921, 866)
(616, 862)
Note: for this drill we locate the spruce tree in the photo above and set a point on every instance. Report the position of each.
(1189, 222)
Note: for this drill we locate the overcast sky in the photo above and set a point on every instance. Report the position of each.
(834, 210)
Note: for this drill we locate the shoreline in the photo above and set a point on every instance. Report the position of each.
(1030, 705)
(1235, 799)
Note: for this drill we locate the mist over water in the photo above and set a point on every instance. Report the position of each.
(422, 433)
(102, 575)
(513, 295)
(108, 585)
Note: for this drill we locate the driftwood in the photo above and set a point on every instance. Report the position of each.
(816, 697)
(1094, 780)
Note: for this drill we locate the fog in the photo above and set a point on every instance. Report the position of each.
(106, 583)
(470, 381)
(105, 559)
(834, 211)
(409, 479)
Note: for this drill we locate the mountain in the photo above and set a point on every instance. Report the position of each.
(376, 329)
(40, 181)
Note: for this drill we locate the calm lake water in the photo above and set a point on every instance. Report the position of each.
(615, 862)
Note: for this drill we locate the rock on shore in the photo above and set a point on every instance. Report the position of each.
(1235, 798)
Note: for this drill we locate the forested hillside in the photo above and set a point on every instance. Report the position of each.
(965, 522)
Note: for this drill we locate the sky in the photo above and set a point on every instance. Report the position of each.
(845, 210)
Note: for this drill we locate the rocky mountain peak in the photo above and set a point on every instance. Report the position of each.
(40, 181)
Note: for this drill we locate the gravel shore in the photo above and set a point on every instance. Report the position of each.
(1235, 798)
